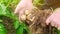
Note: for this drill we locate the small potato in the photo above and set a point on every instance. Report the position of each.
(30, 17)
(23, 17)
(27, 12)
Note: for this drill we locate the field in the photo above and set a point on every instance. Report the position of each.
(40, 12)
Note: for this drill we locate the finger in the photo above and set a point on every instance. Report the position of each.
(48, 20)
(22, 16)
(18, 8)
(52, 24)
(58, 27)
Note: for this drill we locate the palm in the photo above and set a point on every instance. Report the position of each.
(22, 6)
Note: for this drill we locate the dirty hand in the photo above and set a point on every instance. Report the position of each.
(54, 19)
(22, 6)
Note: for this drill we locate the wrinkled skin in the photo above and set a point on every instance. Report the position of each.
(54, 19)
(22, 6)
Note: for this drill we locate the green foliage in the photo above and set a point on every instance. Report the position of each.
(7, 2)
(1, 20)
(22, 28)
(16, 24)
(2, 29)
(38, 2)
(6, 9)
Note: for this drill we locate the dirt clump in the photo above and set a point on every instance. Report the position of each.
(36, 22)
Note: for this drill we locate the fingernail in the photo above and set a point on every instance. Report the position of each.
(47, 22)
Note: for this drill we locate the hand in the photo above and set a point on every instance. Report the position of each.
(54, 19)
(22, 6)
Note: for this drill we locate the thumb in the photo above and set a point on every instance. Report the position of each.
(17, 9)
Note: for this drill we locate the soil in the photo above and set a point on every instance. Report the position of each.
(38, 26)
(8, 23)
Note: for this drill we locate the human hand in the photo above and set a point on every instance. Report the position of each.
(22, 6)
(54, 19)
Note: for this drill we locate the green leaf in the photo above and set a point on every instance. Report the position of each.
(1, 20)
(19, 30)
(2, 29)
(2, 9)
(25, 27)
(38, 2)
(5, 10)
(16, 24)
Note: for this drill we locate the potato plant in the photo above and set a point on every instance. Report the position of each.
(9, 20)
(36, 24)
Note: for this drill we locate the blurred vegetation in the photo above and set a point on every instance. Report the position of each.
(6, 9)
(10, 5)
(38, 2)
(8, 2)
(13, 3)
